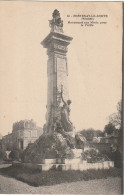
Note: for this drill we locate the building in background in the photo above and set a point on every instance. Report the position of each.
(23, 133)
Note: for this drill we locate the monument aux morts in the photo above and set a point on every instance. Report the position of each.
(57, 72)
(59, 139)
(60, 147)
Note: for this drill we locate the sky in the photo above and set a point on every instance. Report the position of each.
(94, 62)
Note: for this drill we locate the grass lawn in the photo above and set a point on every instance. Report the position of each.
(52, 177)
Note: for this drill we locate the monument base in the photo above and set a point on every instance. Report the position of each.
(80, 166)
(77, 153)
(54, 146)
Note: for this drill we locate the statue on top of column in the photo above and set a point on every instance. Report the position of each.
(56, 23)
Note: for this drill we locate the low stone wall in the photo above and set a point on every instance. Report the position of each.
(64, 167)
(5, 165)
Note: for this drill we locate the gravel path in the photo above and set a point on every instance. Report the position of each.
(101, 186)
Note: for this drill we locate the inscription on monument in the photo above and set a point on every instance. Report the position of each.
(60, 47)
(62, 76)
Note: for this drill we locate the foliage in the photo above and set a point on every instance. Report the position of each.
(99, 133)
(116, 118)
(40, 149)
(109, 128)
(91, 152)
(15, 154)
(44, 178)
(3, 155)
(61, 146)
(90, 133)
(92, 155)
(47, 147)
(116, 157)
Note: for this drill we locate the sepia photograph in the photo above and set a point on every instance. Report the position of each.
(61, 97)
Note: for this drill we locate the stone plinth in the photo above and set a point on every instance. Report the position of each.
(77, 153)
(65, 167)
(72, 161)
(49, 161)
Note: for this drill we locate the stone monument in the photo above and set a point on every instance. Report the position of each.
(58, 104)
(59, 140)
(59, 147)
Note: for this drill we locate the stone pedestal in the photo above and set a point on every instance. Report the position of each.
(56, 148)
(77, 153)
(83, 166)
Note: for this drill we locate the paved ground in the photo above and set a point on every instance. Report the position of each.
(101, 186)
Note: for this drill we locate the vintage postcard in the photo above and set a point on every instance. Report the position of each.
(61, 97)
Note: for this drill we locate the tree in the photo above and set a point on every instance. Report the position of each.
(99, 133)
(115, 118)
(15, 154)
(88, 134)
(109, 128)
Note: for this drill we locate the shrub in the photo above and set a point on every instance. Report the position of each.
(50, 146)
(116, 157)
(15, 154)
(92, 155)
(91, 152)
(3, 155)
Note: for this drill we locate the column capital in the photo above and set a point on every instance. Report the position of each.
(56, 42)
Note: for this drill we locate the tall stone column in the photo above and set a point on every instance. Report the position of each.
(57, 69)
